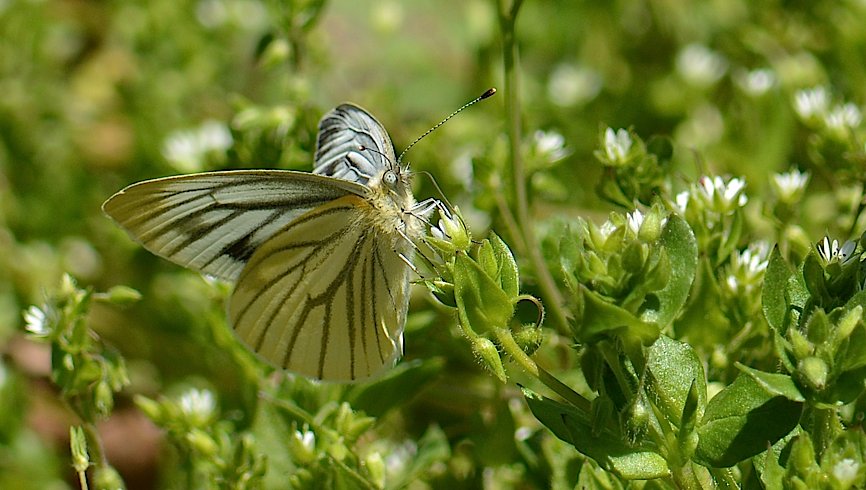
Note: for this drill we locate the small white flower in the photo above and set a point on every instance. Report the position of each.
(187, 149)
(812, 103)
(830, 252)
(399, 456)
(570, 85)
(550, 145)
(845, 471)
(756, 82)
(307, 439)
(789, 186)
(720, 196)
(606, 229)
(35, 321)
(843, 118)
(634, 220)
(700, 65)
(617, 145)
(747, 267)
(198, 404)
(682, 201)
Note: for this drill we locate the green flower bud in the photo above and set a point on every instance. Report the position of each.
(104, 398)
(107, 478)
(814, 372)
(800, 344)
(202, 442)
(529, 338)
(376, 469)
(78, 446)
(123, 295)
(488, 355)
(848, 322)
(151, 408)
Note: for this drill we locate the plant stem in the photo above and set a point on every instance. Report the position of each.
(506, 341)
(507, 18)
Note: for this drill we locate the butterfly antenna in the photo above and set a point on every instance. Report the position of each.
(481, 97)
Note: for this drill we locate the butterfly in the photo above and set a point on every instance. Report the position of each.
(321, 261)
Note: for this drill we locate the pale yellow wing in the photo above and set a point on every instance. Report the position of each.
(326, 296)
(213, 222)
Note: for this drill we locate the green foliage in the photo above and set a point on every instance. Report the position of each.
(710, 333)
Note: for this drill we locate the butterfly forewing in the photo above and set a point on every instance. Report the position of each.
(321, 287)
(348, 136)
(213, 222)
(326, 296)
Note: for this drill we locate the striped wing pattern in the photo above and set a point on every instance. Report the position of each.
(342, 132)
(214, 222)
(326, 296)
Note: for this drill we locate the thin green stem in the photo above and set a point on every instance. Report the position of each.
(506, 341)
(507, 18)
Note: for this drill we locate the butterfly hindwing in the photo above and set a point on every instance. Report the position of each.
(213, 222)
(325, 297)
(343, 132)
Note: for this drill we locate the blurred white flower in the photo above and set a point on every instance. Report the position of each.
(720, 196)
(845, 472)
(617, 145)
(812, 103)
(606, 229)
(634, 220)
(248, 14)
(756, 82)
(682, 201)
(35, 321)
(700, 66)
(186, 150)
(843, 118)
(550, 145)
(198, 405)
(570, 85)
(789, 186)
(747, 267)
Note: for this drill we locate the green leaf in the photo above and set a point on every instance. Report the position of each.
(608, 450)
(679, 242)
(508, 274)
(756, 410)
(481, 304)
(703, 323)
(816, 284)
(672, 368)
(395, 387)
(773, 292)
(598, 316)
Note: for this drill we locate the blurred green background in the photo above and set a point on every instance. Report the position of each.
(95, 95)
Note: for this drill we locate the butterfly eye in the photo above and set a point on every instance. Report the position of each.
(390, 178)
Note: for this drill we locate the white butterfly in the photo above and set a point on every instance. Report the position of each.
(320, 261)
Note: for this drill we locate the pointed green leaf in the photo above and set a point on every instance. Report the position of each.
(673, 368)
(508, 274)
(481, 303)
(773, 292)
(599, 316)
(679, 242)
(753, 412)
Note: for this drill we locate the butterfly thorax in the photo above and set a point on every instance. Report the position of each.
(391, 201)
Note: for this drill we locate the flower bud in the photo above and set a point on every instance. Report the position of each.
(488, 355)
(815, 372)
